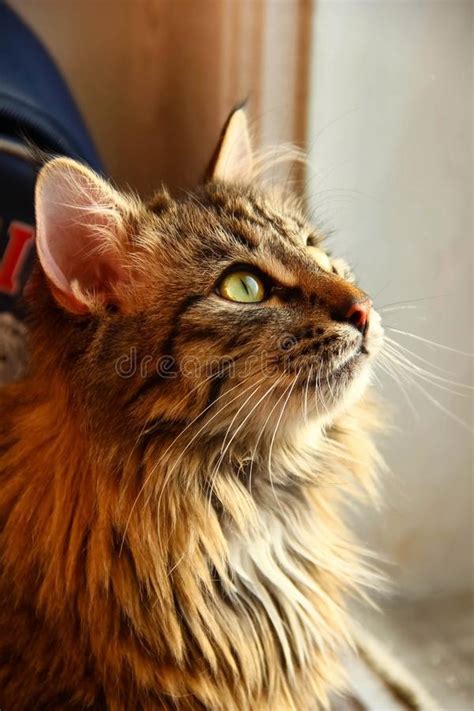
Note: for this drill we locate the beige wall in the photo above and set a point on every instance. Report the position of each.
(392, 160)
(155, 79)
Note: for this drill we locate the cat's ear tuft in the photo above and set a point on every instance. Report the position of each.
(233, 160)
(81, 227)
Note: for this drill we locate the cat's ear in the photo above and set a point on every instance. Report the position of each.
(233, 159)
(81, 228)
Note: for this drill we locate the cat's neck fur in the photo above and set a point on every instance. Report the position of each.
(135, 549)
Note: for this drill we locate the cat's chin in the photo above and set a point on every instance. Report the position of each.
(348, 381)
(357, 371)
(328, 409)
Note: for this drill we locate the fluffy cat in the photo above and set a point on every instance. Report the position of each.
(173, 463)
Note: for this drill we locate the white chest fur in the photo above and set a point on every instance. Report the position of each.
(280, 568)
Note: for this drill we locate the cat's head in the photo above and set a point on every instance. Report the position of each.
(221, 307)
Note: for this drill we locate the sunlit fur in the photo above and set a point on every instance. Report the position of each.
(170, 539)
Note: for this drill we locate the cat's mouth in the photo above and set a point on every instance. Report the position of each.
(363, 352)
(352, 360)
(332, 369)
(331, 362)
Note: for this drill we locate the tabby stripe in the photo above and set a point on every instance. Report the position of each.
(164, 425)
(200, 332)
(275, 222)
(215, 388)
(242, 239)
(168, 346)
(225, 214)
(246, 217)
(186, 304)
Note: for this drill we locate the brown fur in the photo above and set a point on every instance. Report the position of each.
(12, 348)
(141, 568)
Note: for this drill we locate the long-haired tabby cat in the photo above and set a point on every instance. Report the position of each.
(173, 463)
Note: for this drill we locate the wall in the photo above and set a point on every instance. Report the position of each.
(391, 151)
(156, 79)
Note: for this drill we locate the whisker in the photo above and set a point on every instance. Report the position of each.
(144, 430)
(266, 393)
(170, 471)
(431, 343)
(413, 373)
(245, 419)
(218, 373)
(444, 409)
(225, 449)
(224, 441)
(411, 301)
(305, 402)
(317, 388)
(400, 307)
(274, 437)
(387, 339)
(260, 435)
(385, 367)
(435, 402)
(154, 468)
(424, 374)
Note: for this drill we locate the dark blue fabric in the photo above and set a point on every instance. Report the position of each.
(35, 107)
(34, 99)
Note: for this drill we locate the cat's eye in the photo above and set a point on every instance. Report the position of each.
(242, 286)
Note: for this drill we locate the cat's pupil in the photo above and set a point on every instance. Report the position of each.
(247, 290)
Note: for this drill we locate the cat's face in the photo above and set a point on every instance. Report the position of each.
(221, 309)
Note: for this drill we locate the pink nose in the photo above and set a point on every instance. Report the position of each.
(358, 315)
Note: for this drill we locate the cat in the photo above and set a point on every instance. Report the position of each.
(195, 413)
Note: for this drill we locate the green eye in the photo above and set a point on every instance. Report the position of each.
(242, 286)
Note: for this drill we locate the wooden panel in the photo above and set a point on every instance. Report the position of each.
(155, 79)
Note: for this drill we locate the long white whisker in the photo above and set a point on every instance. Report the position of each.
(431, 343)
(424, 374)
(154, 468)
(410, 301)
(387, 367)
(403, 367)
(305, 404)
(221, 409)
(399, 346)
(224, 449)
(317, 386)
(435, 402)
(270, 473)
(400, 307)
(262, 430)
(224, 441)
(444, 409)
(144, 430)
(237, 430)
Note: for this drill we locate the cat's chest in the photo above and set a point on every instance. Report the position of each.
(272, 568)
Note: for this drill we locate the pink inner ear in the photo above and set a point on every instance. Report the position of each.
(78, 224)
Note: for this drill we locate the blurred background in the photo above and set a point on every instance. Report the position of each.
(380, 94)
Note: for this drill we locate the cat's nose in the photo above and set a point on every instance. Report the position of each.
(358, 314)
